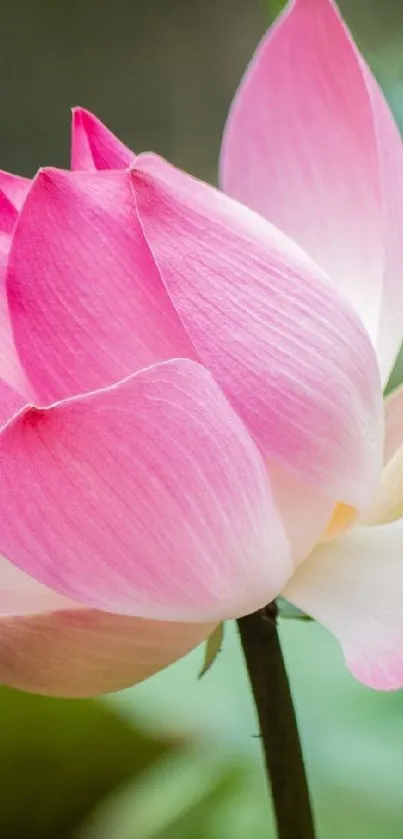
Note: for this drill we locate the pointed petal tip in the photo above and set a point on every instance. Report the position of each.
(76, 226)
(15, 187)
(78, 110)
(350, 191)
(77, 113)
(94, 146)
(46, 174)
(84, 116)
(47, 179)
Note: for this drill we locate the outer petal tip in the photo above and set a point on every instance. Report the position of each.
(15, 188)
(78, 255)
(310, 143)
(94, 146)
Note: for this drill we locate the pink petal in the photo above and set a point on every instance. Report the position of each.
(15, 188)
(8, 214)
(148, 498)
(93, 146)
(5, 245)
(21, 595)
(86, 301)
(390, 162)
(15, 381)
(86, 652)
(393, 423)
(305, 510)
(290, 355)
(354, 587)
(310, 143)
(11, 402)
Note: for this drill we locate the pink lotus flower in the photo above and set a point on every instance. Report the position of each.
(190, 404)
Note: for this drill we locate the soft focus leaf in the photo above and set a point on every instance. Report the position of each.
(213, 646)
(59, 758)
(353, 739)
(396, 376)
(288, 611)
(175, 799)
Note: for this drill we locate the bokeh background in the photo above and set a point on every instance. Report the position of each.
(178, 758)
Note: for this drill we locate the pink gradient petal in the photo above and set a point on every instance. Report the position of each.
(15, 188)
(390, 162)
(354, 587)
(14, 377)
(93, 146)
(8, 214)
(288, 352)
(21, 595)
(305, 510)
(5, 245)
(310, 143)
(148, 498)
(15, 381)
(11, 402)
(393, 423)
(85, 652)
(86, 301)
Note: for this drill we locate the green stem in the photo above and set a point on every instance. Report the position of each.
(278, 724)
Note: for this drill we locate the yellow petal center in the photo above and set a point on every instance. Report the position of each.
(342, 519)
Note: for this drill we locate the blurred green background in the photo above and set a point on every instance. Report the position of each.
(178, 758)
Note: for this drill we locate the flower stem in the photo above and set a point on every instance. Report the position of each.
(278, 724)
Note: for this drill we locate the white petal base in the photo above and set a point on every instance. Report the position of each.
(354, 587)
